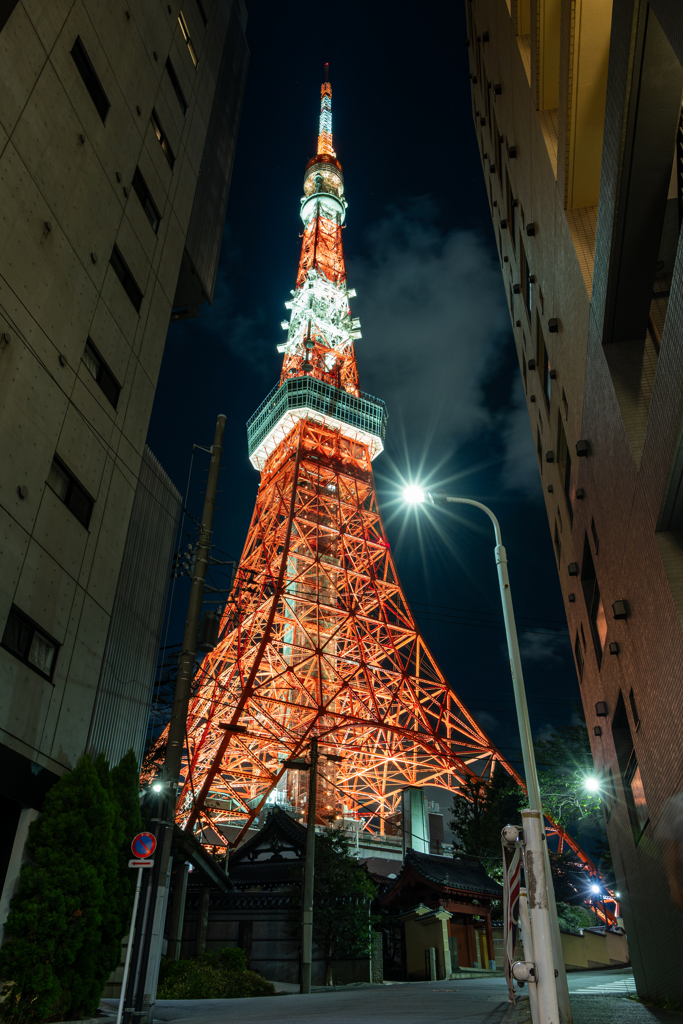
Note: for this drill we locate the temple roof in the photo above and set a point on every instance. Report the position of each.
(464, 874)
(271, 858)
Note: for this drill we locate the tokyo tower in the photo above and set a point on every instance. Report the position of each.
(318, 638)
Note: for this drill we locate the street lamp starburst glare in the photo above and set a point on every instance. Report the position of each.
(592, 784)
(414, 494)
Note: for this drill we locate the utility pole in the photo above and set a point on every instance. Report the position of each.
(146, 970)
(309, 874)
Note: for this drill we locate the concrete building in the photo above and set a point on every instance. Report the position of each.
(117, 135)
(577, 110)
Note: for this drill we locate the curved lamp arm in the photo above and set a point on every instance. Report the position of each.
(530, 771)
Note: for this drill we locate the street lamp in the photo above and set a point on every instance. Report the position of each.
(591, 784)
(544, 924)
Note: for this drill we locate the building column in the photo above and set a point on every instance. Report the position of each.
(202, 920)
(489, 937)
(28, 814)
(175, 930)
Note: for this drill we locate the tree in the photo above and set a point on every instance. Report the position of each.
(564, 763)
(480, 813)
(342, 894)
(67, 918)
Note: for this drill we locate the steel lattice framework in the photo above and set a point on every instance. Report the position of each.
(318, 638)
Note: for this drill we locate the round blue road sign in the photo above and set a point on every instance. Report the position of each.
(144, 844)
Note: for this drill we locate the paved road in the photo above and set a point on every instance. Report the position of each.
(597, 998)
(468, 1002)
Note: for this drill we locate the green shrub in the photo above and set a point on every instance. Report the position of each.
(211, 976)
(72, 905)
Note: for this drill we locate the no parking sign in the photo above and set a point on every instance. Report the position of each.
(144, 844)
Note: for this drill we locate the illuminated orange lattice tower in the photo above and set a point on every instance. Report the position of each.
(318, 639)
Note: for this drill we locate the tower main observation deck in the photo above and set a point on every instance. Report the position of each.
(318, 638)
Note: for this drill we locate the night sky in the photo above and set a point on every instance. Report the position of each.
(437, 343)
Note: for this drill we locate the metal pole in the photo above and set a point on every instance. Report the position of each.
(537, 893)
(531, 775)
(528, 944)
(309, 874)
(129, 945)
(178, 723)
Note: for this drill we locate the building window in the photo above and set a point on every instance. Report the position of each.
(583, 635)
(102, 374)
(67, 488)
(578, 654)
(558, 543)
(542, 361)
(564, 464)
(511, 209)
(526, 280)
(629, 769)
(594, 534)
(130, 285)
(202, 12)
(163, 141)
(594, 605)
(145, 197)
(539, 449)
(634, 709)
(186, 36)
(90, 79)
(29, 643)
(170, 71)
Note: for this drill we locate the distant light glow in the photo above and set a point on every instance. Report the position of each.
(157, 787)
(592, 784)
(413, 494)
(595, 888)
(617, 894)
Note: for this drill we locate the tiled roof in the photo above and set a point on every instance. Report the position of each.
(464, 873)
(279, 823)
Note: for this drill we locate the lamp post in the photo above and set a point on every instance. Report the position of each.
(552, 993)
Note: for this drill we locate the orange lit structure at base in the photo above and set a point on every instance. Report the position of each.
(318, 638)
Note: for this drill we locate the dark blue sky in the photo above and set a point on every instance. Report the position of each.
(437, 344)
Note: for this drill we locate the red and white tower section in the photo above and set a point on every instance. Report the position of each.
(318, 638)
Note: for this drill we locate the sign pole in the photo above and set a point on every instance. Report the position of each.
(129, 948)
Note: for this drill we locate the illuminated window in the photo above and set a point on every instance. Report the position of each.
(163, 141)
(629, 768)
(186, 36)
(29, 643)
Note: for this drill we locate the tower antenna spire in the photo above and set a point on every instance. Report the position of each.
(327, 72)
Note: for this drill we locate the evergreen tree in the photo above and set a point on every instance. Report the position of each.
(74, 900)
(56, 911)
(343, 891)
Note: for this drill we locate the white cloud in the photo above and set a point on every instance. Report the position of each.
(520, 468)
(434, 316)
(544, 647)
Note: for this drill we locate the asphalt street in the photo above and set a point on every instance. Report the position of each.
(600, 997)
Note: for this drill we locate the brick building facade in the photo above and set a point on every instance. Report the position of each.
(577, 110)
